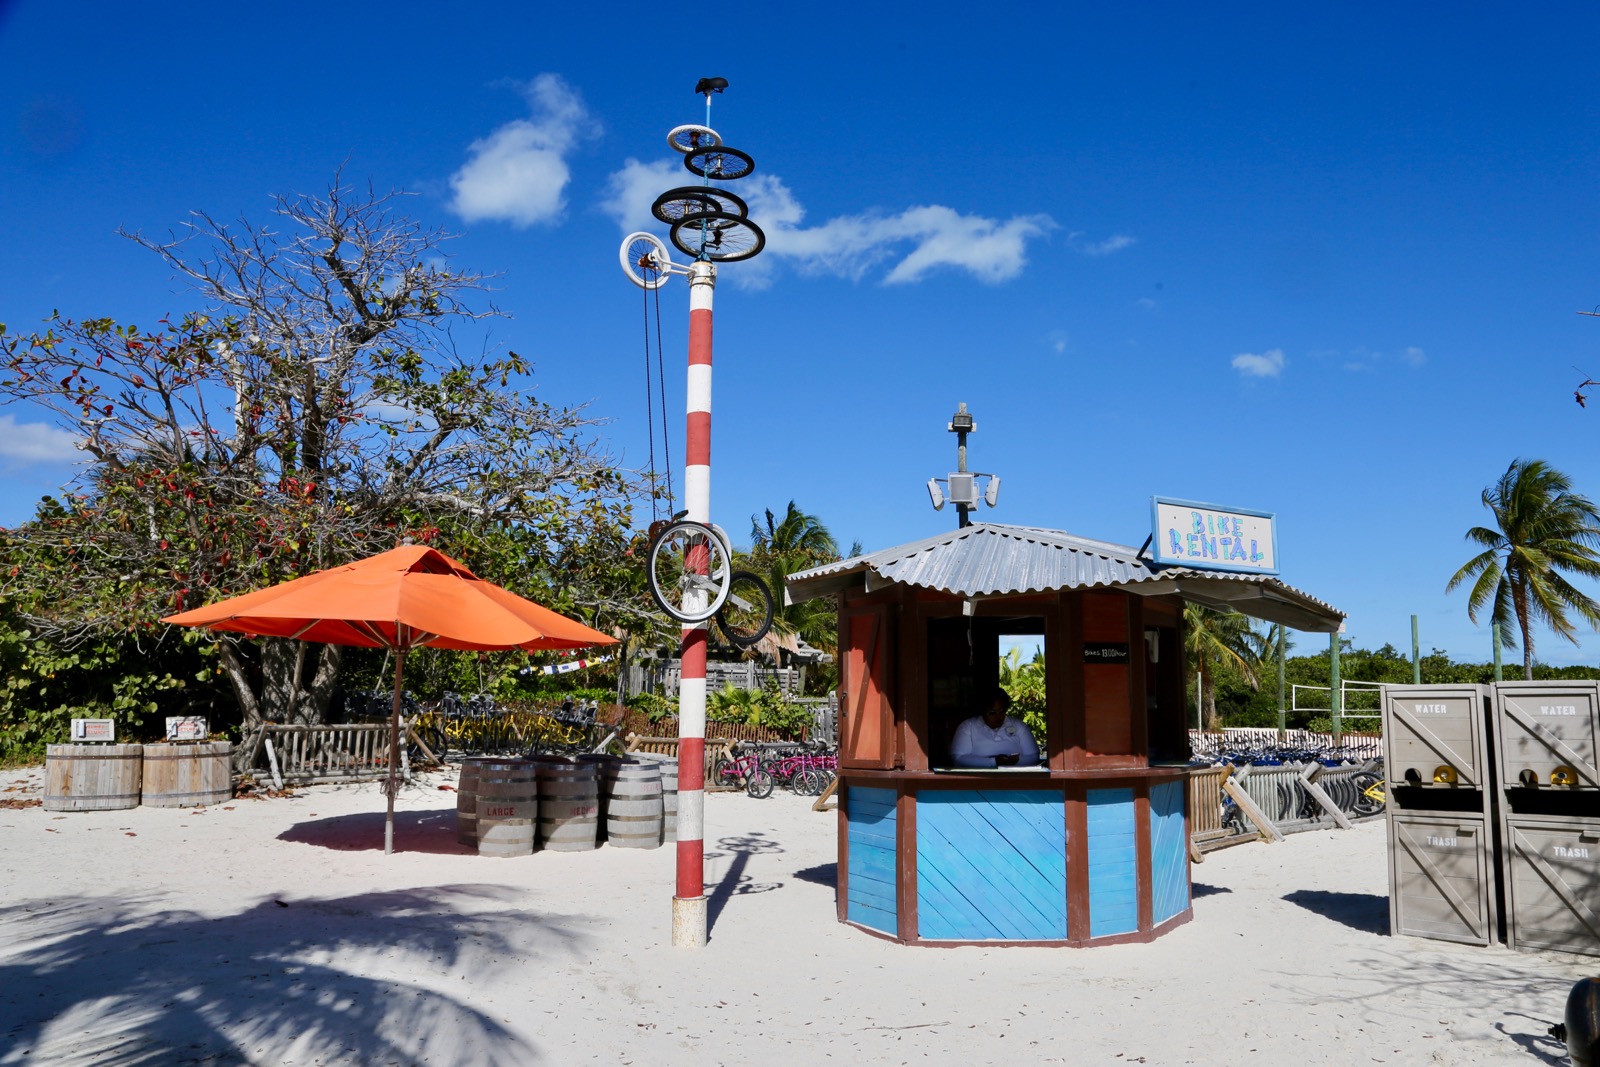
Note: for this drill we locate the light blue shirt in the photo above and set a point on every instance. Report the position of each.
(976, 745)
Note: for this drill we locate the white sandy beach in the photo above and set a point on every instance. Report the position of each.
(276, 932)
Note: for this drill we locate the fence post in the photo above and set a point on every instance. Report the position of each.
(1335, 686)
(1283, 715)
(1416, 655)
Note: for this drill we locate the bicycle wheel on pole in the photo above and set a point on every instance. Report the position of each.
(689, 138)
(683, 201)
(645, 260)
(718, 236)
(725, 201)
(689, 571)
(719, 163)
(746, 614)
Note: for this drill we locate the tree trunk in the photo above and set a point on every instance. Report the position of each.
(1208, 701)
(285, 695)
(1519, 603)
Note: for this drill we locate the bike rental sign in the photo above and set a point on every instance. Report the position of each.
(1185, 533)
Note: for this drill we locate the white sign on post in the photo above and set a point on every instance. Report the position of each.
(94, 730)
(1190, 534)
(187, 728)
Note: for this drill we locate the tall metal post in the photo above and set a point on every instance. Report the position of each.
(1497, 665)
(1283, 713)
(1335, 687)
(689, 902)
(960, 425)
(1416, 654)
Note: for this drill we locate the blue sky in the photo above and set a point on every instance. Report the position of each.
(1319, 263)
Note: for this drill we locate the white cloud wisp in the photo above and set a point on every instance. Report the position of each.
(519, 173)
(914, 242)
(1269, 364)
(36, 442)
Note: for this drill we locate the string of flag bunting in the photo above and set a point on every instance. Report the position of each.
(568, 667)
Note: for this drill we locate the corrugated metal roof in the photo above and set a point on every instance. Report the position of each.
(994, 560)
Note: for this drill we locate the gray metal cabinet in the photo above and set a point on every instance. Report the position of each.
(1545, 734)
(1553, 883)
(1436, 735)
(1441, 877)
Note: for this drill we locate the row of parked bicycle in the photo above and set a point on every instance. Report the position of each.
(479, 726)
(1273, 754)
(805, 768)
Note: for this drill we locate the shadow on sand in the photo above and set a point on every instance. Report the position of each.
(432, 831)
(109, 980)
(1367, 912)
(735, 881)
(822, 874)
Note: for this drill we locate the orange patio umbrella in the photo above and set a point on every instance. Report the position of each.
(408, 597)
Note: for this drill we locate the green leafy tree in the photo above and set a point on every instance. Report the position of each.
(313, 410)
(1220, 643)
(1024, 683)
(136, 679)
(1541, 529)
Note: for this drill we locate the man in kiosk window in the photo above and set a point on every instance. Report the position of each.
(994, 739)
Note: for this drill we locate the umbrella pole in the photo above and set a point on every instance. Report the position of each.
(392, 785)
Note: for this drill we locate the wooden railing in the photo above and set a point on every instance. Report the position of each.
(1270, 801)
(304, 755)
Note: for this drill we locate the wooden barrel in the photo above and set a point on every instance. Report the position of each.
(633, 810)
(605, 769)
(92, 777)
(187, 776)
(669, 800)
(467, 803)
(507, 805)
(569, 806)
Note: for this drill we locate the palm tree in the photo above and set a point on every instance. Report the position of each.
(1220, 641)
(1542, 529)
(779, 548)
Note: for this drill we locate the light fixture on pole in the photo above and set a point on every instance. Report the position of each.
(961, 485)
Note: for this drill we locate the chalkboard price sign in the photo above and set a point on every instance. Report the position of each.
(1105, 652)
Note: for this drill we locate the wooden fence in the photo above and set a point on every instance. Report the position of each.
(304, 755)
(1269, 801)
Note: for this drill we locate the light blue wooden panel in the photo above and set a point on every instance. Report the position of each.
(1113, 865)
(870, 880)
(1169, 852)
(991, 865)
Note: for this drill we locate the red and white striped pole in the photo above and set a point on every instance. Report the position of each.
(689, 903)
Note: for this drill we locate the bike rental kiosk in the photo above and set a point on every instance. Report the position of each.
(1088, 847)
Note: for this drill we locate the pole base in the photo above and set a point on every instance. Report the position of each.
(689, 922)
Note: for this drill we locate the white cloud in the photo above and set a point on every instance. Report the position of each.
(1267, 365)
(1115, 243)
(36, 442)
(1414, 356)
(1058, 341)
(518, 173)
(631, 191)
(914, 242)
